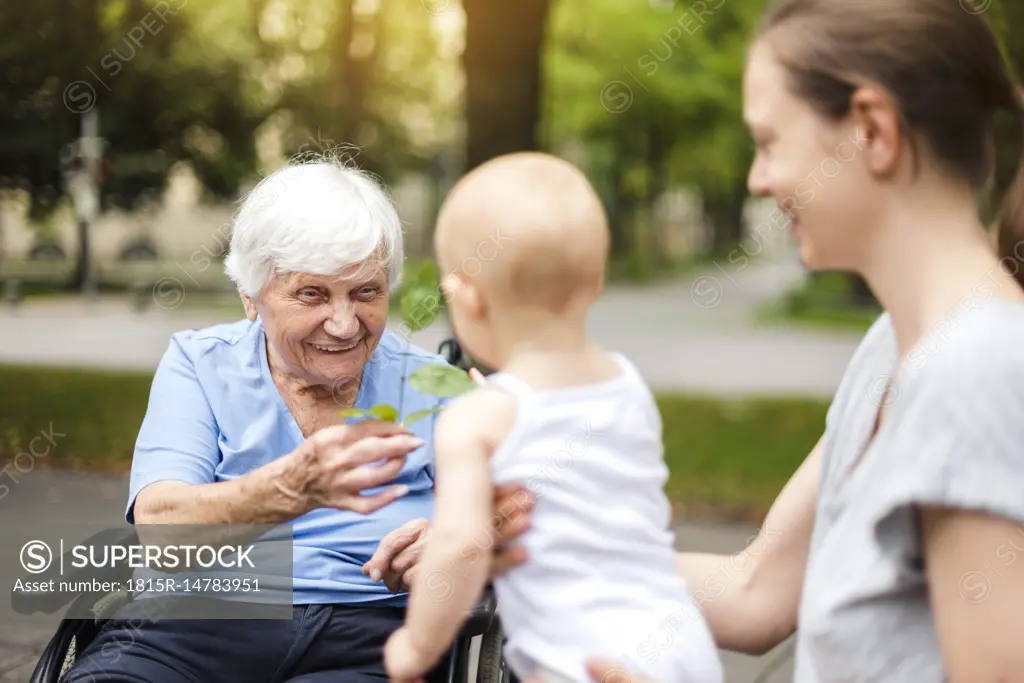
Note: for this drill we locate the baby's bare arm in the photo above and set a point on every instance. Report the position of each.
(457, 555)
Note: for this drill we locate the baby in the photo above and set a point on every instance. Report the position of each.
(524, 241)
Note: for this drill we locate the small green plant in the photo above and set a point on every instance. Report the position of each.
(420, 302)
(420, 297)
(444, 381)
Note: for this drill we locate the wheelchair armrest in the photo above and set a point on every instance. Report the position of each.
(480, 617)
(50, 602)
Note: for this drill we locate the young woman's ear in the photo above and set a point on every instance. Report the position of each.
(879, 132)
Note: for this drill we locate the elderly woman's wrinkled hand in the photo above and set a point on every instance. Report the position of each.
(333, 466)
(397, 555)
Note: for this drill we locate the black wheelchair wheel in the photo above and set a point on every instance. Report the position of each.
(452, 352)
(69, 658)
(491, 667)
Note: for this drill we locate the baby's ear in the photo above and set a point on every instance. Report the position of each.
(458, 285)
(475, 302)
(450, 286)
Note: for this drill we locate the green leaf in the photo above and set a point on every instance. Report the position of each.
(441, 380)
(384, 411)
(422, 274)
(420, 304)
(420, 414)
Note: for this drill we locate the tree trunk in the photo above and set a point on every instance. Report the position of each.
(502, 63)
(89, 32)
(620, 208)
(82, 278)
(658, 145)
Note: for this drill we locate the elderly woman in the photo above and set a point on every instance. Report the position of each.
(243, 427)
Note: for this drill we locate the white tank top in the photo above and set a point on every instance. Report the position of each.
(601, 579)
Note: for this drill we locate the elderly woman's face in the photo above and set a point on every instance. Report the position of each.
(325, 328)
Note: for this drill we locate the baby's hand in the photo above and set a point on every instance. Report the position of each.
(403, 661)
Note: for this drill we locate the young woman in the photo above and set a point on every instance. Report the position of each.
(894, 544)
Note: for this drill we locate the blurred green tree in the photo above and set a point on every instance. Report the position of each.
(370, 86)
(652, 91)
(176, 81)
(134, 61)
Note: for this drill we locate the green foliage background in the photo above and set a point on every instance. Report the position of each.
(646, 93)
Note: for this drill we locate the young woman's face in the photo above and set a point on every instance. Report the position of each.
(808, 164)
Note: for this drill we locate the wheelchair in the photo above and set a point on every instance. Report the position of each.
(75, 633)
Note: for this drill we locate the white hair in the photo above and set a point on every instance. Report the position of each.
(317, 217)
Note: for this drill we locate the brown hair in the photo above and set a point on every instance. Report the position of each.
(940, 65)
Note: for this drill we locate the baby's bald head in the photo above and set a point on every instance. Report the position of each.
(526, 228)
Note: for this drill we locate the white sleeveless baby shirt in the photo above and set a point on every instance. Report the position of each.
(601, 578)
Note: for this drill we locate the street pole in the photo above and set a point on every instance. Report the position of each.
(85, 193)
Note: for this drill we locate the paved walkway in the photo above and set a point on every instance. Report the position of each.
(695, 334)
(48, 504)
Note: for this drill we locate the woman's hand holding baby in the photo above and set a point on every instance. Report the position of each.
(603, 670)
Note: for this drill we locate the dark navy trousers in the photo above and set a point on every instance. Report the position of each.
(336, 643)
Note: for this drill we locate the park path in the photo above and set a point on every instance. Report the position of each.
(50, 505)
(697, 333)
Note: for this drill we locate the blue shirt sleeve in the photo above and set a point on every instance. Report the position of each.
(178, 439)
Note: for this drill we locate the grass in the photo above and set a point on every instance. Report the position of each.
(98, 414)
(823, 300)
(727, 458)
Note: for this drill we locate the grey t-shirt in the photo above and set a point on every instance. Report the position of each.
(952, 434)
